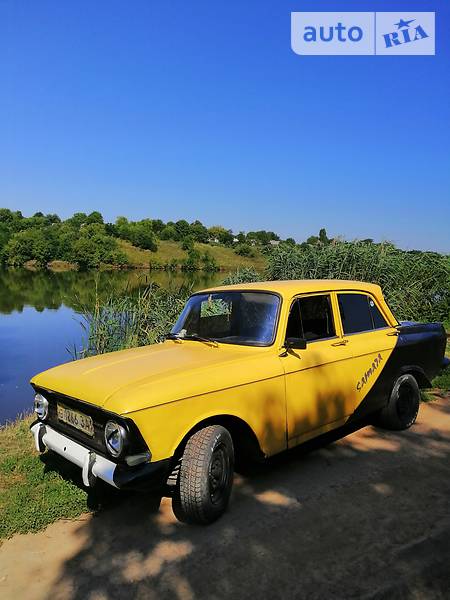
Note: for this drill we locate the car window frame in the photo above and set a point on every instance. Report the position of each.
(371, 297)
(248, 291)
(333, 316)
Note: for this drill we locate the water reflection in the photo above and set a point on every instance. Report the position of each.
(46, 289)
(40, 322)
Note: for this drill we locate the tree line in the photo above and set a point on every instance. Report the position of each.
(88, 241)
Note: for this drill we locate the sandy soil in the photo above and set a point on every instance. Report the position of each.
(365, 517)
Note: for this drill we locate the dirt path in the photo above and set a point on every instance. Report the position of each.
(366, 517)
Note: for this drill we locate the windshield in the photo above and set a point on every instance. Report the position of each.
(246, 318)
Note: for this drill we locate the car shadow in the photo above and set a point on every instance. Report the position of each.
(361, 516)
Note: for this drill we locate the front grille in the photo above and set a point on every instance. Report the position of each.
(99, 419)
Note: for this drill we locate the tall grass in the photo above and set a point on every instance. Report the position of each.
(132, 320)
(416, 284)
(138, 319)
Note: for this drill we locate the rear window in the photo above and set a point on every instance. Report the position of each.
(359, 313)
(378, 320)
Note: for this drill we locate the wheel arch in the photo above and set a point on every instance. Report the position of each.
(418, 373)
(245, 440)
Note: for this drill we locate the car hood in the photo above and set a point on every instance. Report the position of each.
(130, 380)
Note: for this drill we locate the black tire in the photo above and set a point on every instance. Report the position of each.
(403, 406)
(206, 476)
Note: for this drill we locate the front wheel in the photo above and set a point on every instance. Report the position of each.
(403, 406)
(206, 476)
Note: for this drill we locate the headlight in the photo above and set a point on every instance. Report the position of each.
(41, 406)
(115, 438)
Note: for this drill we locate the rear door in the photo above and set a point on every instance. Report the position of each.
(370, 339)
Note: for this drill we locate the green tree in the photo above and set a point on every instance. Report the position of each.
(77, 220)
(93, 247)
(323, 238)
(262, 237)
(157, 226)
(187, 243)
(18, 250)
(225, 236)
(139, 233)
(94, 217)
(199, 232)
(182, 228)
(168, 233)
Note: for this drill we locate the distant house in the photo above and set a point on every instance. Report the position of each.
(235, 240)
(274, 242)
(213, 240)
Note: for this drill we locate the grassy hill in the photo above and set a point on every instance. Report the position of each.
(225, 257)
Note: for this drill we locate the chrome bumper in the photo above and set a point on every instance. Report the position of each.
(91, 464)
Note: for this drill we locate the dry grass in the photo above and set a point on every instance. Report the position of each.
(225, 257)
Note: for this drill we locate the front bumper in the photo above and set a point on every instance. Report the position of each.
(93, 465)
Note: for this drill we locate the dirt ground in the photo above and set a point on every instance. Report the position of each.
(367, 516)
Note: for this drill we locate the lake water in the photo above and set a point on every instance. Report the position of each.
(40, 320)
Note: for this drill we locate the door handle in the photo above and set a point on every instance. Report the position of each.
(340, 343)
(393, 333)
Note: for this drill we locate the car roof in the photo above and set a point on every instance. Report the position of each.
(289, 288)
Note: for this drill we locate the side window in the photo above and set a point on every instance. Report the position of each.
(311, 318)
(359, 313)
(316, 317)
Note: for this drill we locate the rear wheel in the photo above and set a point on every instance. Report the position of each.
(403, 406)
(206, 476)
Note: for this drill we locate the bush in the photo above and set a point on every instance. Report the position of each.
(244, 250)
(192, 262)
(187, 243)
(209, 263)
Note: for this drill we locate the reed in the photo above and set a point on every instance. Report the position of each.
(131, 320)
(416, 284)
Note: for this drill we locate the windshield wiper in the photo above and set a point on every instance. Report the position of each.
(192, 336)
(201, 338)
(172, 336)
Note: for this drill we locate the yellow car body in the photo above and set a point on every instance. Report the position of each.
(278, 396)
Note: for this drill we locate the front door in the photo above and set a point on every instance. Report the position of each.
(319, 393)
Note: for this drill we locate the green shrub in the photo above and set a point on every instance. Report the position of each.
(244, 250)
(192, 262)
(209, 263)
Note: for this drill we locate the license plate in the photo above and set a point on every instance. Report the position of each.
(75, 419)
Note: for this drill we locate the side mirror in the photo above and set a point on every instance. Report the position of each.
(294, 343)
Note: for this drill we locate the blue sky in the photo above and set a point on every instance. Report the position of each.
(201, 110)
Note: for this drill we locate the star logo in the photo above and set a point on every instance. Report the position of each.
(403, 23)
